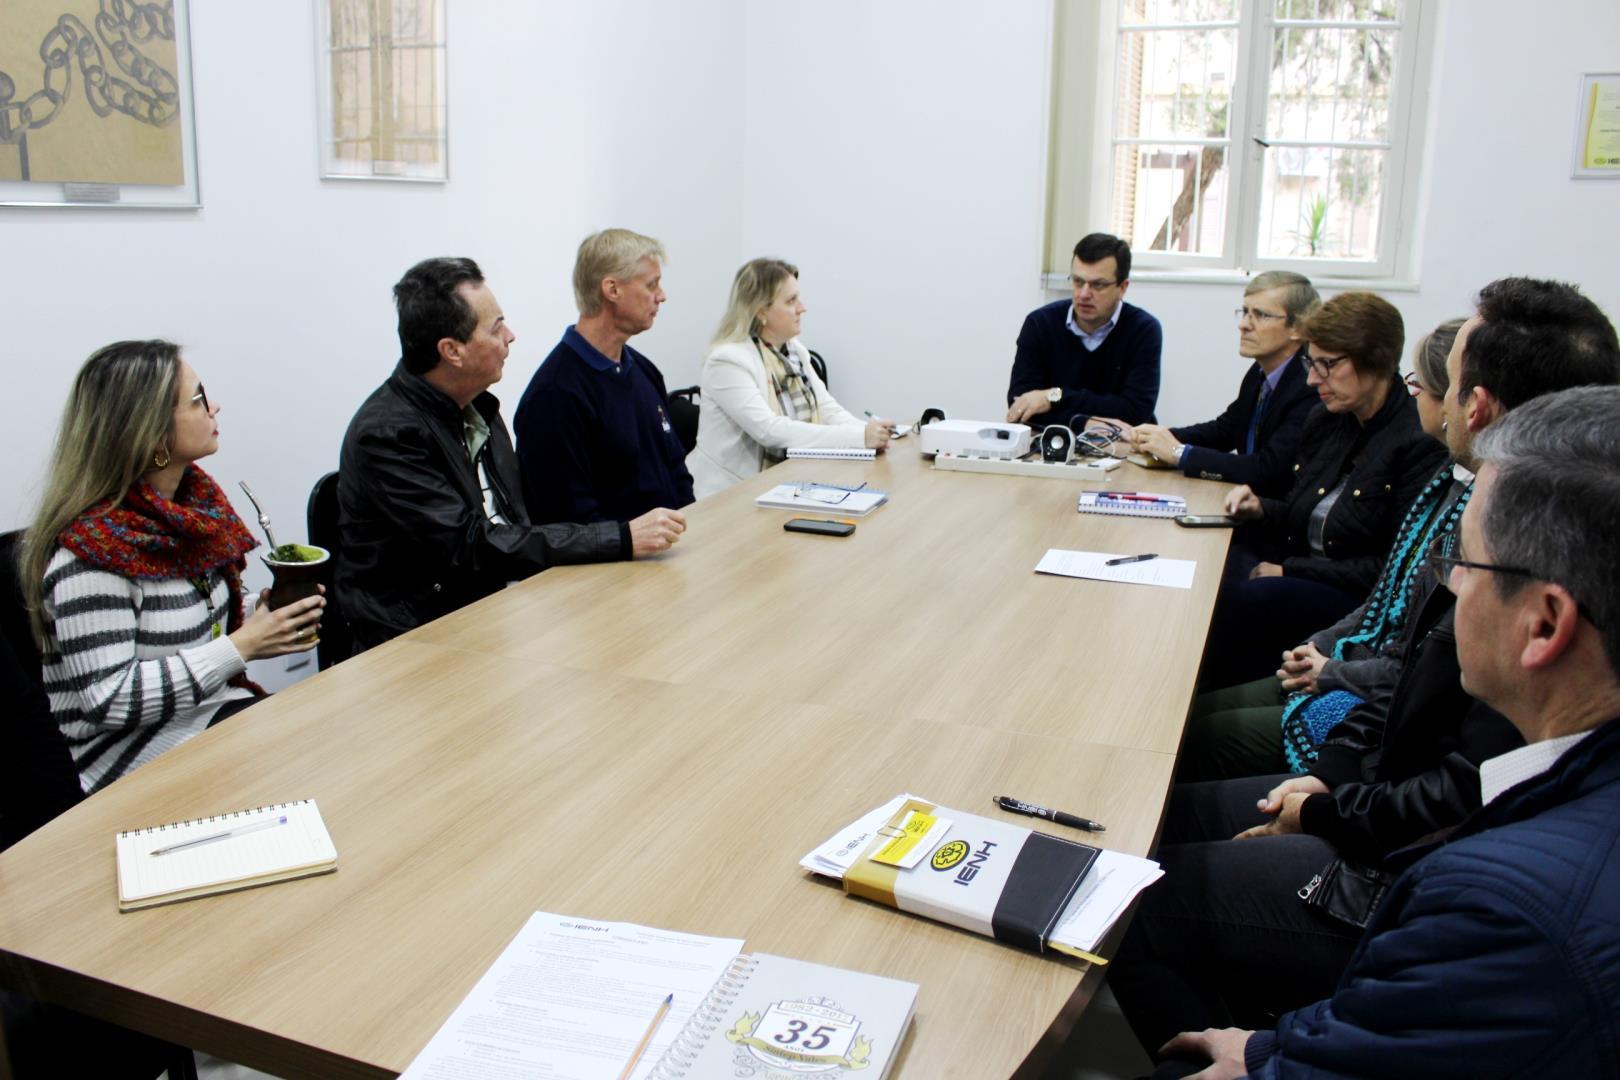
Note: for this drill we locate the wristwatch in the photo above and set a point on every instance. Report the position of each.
(1055, 394)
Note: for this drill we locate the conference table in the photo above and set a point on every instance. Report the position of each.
(657, 742)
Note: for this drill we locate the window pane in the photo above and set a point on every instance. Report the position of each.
(1317, 202)
(1175, 83)
(1339, 10)
(1328, 113)
(1173, 109)
(1330, 85)
(1136, 12)
(1170, 197)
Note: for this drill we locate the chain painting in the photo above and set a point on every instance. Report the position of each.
(89, 92)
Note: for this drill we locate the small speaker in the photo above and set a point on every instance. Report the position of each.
(1057, 444)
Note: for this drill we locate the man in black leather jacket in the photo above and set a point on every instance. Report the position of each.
(1269, 880)
(430, 499)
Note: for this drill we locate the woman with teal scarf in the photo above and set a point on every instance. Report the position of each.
(1275, 724)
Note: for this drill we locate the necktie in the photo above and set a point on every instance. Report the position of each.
(1259, 411)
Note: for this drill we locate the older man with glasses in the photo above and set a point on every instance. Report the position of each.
(1094, 355)
(1270, 879)
(1255, 441)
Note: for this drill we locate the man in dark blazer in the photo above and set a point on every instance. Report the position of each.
(1254, 440)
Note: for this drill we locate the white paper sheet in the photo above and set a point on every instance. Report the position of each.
(569, 999)
(1114, 881)
(839, 851)
(1166, 573)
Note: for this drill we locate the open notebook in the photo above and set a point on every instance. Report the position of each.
(164, 864)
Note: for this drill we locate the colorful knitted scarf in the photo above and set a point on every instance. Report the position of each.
(1307, 718)
(145, 536)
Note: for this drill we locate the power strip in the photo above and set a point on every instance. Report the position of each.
(1084, 469)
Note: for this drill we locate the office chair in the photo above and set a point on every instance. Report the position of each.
(683, 415)
(820, 366)
(37, 1039)
(337, 642)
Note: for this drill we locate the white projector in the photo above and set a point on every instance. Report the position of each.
(982, 437)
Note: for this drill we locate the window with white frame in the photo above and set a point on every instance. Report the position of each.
(1237, 134)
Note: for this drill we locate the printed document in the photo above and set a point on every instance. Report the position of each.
(1166, 573)
(569, 999)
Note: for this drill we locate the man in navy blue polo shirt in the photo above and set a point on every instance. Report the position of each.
(1093, 356)
(593, 430)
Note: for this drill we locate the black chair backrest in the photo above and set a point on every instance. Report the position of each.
(336, 643)
(683, 414)
(821, 367)
(13, 614)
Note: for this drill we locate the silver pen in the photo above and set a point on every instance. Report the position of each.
(226, 835)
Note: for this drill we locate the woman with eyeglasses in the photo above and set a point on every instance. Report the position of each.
(1304, 560)
(760, 394)
(132, 570)
(1276, 722)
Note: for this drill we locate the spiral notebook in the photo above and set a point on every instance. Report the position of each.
(1132, 504)
(165, 864)
(769, 1012)
(845, 453)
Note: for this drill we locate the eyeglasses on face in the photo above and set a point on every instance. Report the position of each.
(1324, 365)
(1441, 564)
(1414, 385)
(1094, 284)
(201, 398)
(1257, 315)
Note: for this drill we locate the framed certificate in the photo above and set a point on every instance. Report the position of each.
(1597, 128)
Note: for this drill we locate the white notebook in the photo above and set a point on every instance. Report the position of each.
(807, 497)
(770, 1013)
(848, 453)
(164, 864)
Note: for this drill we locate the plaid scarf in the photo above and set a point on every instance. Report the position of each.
(145, 536)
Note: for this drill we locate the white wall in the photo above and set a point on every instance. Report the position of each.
(897, 155)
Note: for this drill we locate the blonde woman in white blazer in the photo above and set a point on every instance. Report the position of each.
(760, 396)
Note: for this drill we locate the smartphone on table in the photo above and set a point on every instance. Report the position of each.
(819, 526)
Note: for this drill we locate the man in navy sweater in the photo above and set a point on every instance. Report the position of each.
(593, 430)
(1093, 356)
(1497, 951)
(1255, 441)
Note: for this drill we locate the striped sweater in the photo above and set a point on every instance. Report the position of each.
(133, 668)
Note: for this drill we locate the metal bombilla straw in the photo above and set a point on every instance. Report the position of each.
(264, 518)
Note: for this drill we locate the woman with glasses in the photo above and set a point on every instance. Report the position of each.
(1304, 560)
(760, 395)
(132, 570)
(1276, 722)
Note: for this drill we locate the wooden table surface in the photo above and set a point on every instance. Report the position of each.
(657, 742)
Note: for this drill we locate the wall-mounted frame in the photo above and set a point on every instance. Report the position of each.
(381, 90)
(96, 105)
(1597, 128)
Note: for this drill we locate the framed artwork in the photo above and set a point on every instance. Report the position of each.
(381, 92)
(95, 104)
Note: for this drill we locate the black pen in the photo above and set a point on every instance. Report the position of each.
(1123, 559)
(1017, 806)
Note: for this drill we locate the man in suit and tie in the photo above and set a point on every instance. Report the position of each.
(1254, 441)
